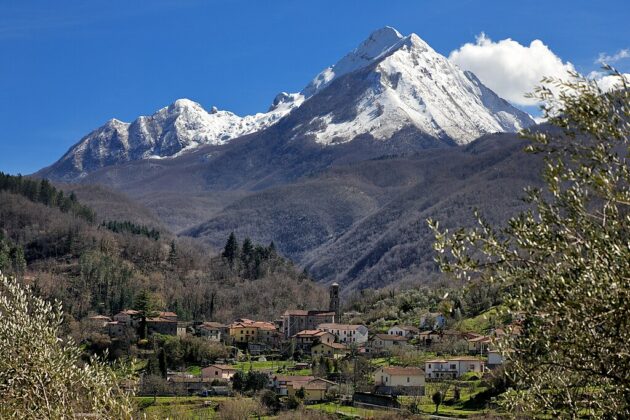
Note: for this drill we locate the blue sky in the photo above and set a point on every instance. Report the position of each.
(68, 66)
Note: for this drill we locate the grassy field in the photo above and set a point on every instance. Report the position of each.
(462, 408)
(272, 366)
(482, 323)
(178, 407)
(334, 408)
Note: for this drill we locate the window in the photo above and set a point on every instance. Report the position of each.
(453, 367)
(471, 367)
(407, 379)
(216, 373)
(429, 365)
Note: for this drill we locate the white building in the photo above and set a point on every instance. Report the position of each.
(400, 377)
(495, 359)
(347, 334)
(453, 367)
(384, 342)
(403, 331)
(212, 331)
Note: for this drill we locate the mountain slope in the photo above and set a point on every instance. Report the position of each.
(172, 130)
(364, 224)
(388, 84)
(407, 83)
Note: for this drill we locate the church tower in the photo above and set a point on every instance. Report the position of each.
(334, 301)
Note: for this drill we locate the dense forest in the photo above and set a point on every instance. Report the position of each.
(57, 244)
(130, 227)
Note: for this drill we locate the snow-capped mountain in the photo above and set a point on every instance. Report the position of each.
(389, 83)
(408, 83)
(173, 130)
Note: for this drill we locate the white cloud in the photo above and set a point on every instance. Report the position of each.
(610, 59)
(509, 68)
(608, 82)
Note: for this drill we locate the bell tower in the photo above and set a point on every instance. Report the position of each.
(334, 301)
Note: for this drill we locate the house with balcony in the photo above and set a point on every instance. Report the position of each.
(453, 367)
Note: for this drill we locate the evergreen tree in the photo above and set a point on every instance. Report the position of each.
(231, 250)
(247, 252)
(238, 381)
(172, 255)
(145, 303)
(162, 363)
(18, 260)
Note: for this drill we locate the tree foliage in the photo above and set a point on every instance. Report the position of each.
(565, 264)
(42, 191)
(94, 270)
(42, 376)
(132, 228)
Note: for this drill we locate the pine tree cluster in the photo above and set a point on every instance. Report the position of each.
(11, 257)
(42, 191)
(130, 227)
(249, 260)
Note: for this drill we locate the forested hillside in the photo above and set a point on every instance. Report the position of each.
(56, 243)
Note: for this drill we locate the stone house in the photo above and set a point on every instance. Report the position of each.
(296, 320)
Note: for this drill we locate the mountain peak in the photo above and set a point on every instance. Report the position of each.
(379, 42)
(391, 82)
(415, 41)
(409, 84)
(184, 104)
(114, 122)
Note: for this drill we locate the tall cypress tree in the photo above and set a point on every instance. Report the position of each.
(162, 363)
(231, 250)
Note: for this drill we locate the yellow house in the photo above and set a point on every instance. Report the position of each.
(218, 372)
(314, 390)
(334, 350)
(248, 331)
(400, 377)
(243, 332)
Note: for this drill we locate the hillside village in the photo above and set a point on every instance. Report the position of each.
(311, 356)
